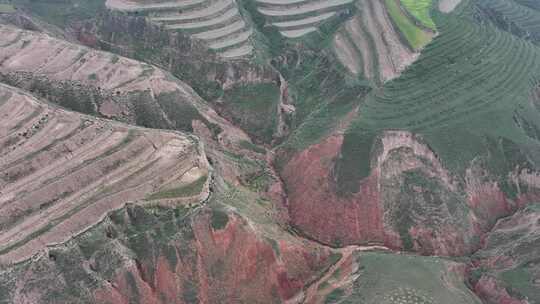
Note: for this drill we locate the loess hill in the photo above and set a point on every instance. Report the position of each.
(270, 151)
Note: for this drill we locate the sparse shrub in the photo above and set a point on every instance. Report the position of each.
(219, 219)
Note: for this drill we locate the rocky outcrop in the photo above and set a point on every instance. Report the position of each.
(506, 270)
(491, 291)
(408, 201)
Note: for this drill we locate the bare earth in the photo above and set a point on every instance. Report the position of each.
(391, 55)
(42, 55)
(63, 171)
(446, 6)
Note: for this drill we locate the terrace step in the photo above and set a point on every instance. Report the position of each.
(308, 7)
(201, 24)
(207, 20)
(237, 39)
(298, 33)
(200, 13)
(304, 21)
(133, 6)
(244, 50)
(296, 18)
(222, 32)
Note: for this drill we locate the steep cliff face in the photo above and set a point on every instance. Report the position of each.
(506, 270)
(408, 201)
(314, 206)
(163, 256)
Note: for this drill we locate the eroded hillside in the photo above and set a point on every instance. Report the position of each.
(336, 143)
(104, 84)
(63, 172)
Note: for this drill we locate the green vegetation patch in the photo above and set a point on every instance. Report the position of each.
(354, 161)
(252, 147)
(335, 296)
(420, 9)
(515, 17)
(393, 278)
(322, 120)
(254, 107)
(188, 190)
(535, 207)
(6, 8)
(469, 77)
(323, 95)
(520, 281)
(181, 113)
(268, 37)
(415, 36)
(61, 12)
(219, 219)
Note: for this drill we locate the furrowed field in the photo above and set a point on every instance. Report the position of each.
(467, 95)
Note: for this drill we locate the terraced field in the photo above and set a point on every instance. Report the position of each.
(216, 22)
(513, 17)
(126, 89)
(419, 9)
(416, 37)
(369, 45)
(62, 172)
(6, 8)
(296, 18)
(468, 78)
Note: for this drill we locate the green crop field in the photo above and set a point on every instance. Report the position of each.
(393, 278)
(6, 8)
(468, 95)
(415, 36)
(519, 19)
(191, 189)
(419, 9)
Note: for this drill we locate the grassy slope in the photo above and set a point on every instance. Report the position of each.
(60, 12)
(415, 36)
(514, 17)
(390, 278)
(254, 108)
(468, 78)
(6, 8)
(419, 9)
(191, 189)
